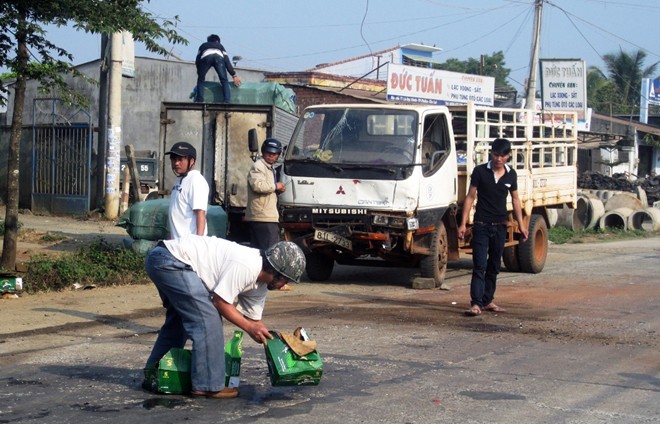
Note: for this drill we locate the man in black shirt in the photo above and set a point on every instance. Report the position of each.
(212, 54)
(493, 181)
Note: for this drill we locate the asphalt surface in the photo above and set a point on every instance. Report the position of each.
(579, 344)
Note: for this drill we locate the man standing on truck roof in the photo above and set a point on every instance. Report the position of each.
(190, 194)
(212, 54)
(491, 182)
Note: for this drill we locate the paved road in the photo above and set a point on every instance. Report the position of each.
(578, 345)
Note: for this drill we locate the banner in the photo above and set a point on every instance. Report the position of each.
(653, 94)
(432, 86)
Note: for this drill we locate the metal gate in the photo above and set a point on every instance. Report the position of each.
(61, 158)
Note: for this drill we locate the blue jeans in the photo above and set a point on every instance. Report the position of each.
(189, 314)
(487, 248)
(216, 62)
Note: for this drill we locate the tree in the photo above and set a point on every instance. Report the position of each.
(27, 53)
(602, 93)
(493, 66)
(626, 71)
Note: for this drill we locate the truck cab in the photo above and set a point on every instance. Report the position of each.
(369, 182)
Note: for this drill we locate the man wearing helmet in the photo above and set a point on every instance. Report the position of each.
(200, 277)
(190, 194)
(263, 188)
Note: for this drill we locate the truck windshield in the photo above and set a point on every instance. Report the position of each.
(354, 136)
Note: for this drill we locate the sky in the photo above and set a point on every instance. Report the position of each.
(294, 35)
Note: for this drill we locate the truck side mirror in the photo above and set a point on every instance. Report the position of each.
(253, 140)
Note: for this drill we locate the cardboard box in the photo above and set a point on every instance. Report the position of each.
(10, 283)
(173, 373)
(288, 369)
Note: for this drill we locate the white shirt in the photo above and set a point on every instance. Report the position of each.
(228, 269)
(189, 193)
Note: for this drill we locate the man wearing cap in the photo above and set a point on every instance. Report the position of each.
(202, 280)
(492, 182)
(263, 188)
(190, 194)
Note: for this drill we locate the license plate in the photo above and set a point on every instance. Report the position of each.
(340, 241)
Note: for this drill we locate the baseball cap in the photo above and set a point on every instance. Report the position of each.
(183, 149)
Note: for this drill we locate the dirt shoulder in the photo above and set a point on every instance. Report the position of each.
(55, 234)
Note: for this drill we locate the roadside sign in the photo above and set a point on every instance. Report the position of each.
(432, 86)
(564, 85)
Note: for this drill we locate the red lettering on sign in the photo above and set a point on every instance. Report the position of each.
(402, 81)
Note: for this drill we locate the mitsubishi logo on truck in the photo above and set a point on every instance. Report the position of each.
(341, 190)
(339, 211)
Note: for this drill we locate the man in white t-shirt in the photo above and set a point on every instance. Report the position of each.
(190, 194)
(202, 280)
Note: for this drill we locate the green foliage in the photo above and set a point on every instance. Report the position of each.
(26, 51)
(618, 92)
(651, 140)
(52, 238)
(493, 66)
(99, 263)
(562, 235)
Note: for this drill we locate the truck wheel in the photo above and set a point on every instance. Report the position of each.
(510, 259)
(435, 265)
(533, 251)
(319, 266)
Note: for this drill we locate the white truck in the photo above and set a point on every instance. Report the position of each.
(384, 184)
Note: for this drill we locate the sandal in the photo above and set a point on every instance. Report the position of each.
(473, 311)
(491, 307)
(226, 393)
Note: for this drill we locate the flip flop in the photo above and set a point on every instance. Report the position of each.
(473, 311)
(491, 307)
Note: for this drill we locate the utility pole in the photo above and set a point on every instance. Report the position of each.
(114, 130)
(644, 101)
(530, 99)
(103, 122)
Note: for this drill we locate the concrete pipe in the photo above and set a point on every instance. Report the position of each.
(565, 218)
(553, 216)
(623, 200)
(588, 211)
(618, 218)
(646, 220)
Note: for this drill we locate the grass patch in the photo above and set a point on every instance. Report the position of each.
(98, 263)
(561, 235)
(52, 238)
